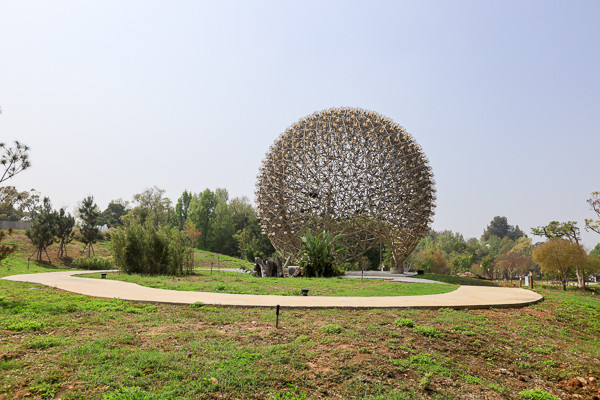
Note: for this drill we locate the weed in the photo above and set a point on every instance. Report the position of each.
(43, 342)
(405, 322)
(365, 350)
(292, 395)
(333, 329)
(536, 394)
(471, 379)
(425, 382)
(429, 331)
(424, 363)
(496, 387)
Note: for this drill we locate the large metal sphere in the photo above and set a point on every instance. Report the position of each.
(346, 171)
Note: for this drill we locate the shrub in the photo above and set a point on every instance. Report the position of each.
(405, 322)
(146, 250)
(94, 262)
(536, 394)
(318, 253)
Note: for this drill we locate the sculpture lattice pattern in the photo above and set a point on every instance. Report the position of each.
(347, 171)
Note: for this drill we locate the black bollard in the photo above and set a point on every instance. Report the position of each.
(277, 317)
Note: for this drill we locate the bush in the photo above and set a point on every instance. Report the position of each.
(536, 394)
(317, 255)
(93, 262)
(146, 250)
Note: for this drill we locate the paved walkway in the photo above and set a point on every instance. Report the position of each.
(407, 277)
(463, 297)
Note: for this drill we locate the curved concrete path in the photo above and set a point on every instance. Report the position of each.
(463, 297)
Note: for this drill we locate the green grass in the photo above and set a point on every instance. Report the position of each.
(231, 282)
(56, 344)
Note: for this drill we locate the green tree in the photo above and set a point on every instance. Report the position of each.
(182, 209)
(64, 231)
(596, 250)
(17, 206)
(89, 214)
(111, 216)
(559, 257)
(153, 205)
(202, 210)
(14, 159)
(43, 229)
(563, 230)
(500, 227)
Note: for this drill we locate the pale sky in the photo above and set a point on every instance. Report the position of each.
(117, 96)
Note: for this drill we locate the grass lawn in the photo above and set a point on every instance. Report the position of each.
(56, 344)
(231, 282)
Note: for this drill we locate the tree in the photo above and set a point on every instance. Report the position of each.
(594, 224)
(559, 257)
(181, 209)
(202, 209)
(64, 231)
(14, 159)
(17, 206)
(153, 204)
(563, 230)
(559, 230)
(43, 230)
(111, 216)
(596, 250)
(512, 262)
(499, 227)
(89, 214)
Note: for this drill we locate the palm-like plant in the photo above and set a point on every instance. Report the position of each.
(318, 253)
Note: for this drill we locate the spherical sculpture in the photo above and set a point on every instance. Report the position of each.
(346, 171)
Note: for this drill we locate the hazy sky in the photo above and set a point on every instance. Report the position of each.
(117, 96)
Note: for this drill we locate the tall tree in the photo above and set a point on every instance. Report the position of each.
(14, 159)
(181, 209)
(563, 230)
(559, 257)
(43, 230)
(89, 214)
(153, 205)
(500, 227)
(111, 216)
(202, 210)
(590, 223)
(64, 231)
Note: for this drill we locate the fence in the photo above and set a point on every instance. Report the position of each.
(18, 225)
